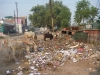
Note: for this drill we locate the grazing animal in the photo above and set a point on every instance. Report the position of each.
(30, 35)
(15, 45)
(3, 46)
(48, 35)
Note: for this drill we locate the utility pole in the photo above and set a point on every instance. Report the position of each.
(14, 16)
(14, 20)
(17, 15)
(51, 15)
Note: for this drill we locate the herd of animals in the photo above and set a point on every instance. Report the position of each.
(10, 46)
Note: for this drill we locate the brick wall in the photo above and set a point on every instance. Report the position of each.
(93, 35)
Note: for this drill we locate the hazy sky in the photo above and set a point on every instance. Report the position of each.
(7, 7)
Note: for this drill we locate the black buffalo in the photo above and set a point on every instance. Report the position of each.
(48, 35)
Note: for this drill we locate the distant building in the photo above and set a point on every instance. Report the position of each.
(10, 25)
(6, 26)
(21, 24)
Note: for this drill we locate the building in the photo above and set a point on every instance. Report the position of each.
(6, 26)
(12, 25)
(21, 24)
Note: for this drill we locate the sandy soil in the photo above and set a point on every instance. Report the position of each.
(84, 67)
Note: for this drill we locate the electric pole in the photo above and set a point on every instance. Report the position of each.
(51, 15)
(14, 20)
(17, 14)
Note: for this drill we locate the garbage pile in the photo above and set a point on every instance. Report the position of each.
(52, 54)
(58, 52)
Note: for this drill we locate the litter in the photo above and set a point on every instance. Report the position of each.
(52, 54)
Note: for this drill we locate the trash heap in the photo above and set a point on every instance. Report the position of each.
(52, 54)
(56, 53)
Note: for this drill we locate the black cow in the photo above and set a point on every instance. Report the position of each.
(48, 35)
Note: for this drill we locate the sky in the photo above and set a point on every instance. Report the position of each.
(7, 7)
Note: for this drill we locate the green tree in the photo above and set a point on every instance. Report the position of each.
(84, 12)
(81, 12)
(93, 13)
(38, 16)
(41, 15)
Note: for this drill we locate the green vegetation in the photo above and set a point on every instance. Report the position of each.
(41, 15)
(85, 12)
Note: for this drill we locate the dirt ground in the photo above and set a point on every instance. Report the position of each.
(84, 67)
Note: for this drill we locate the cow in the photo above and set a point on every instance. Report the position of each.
(31, 35)
(13, 45)
(3, 46)
(48, 35)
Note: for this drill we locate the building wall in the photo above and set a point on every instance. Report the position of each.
(22, 21)
(93, 35)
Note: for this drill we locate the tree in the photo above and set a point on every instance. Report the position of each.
(38, 16)
(93, 13)
(41, 15)
(84, 12)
